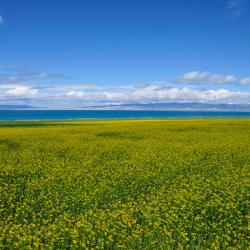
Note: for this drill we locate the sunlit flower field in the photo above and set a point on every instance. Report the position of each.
(125, 184)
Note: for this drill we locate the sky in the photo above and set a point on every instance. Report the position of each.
(60, 53)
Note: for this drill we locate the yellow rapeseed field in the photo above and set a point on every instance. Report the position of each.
(125, 184)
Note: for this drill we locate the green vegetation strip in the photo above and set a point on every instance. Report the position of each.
(125, 184)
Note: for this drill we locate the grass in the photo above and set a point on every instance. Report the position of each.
(125, 184)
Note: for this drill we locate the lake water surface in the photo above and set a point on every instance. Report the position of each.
(11, 115)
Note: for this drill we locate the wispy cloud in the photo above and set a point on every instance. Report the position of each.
(20, 77)
(1, 19)
(245, 81)
(236, 7)
(72, 86)
(196, 77)
(49, 75)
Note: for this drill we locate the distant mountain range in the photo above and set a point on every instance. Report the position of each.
(175, 106)
(146, 106)
(9, 107)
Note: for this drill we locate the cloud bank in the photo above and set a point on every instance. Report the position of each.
(146, 94)
(39, 89)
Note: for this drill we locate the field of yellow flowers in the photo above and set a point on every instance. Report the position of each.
(125, 184)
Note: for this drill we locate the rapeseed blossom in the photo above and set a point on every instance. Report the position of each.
(139, 184)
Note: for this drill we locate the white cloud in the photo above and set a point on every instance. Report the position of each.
(185, 94)
(17, 87)
(76, 94)
(1, 19)
(245, 81)
(95, 96)
(156, 93)
(23, 91)
(147, 94)
(196, 77)
(116, 96)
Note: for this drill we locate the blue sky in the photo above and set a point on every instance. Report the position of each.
(60, 53)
